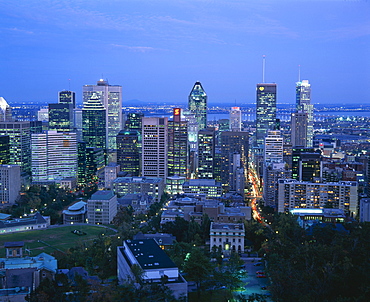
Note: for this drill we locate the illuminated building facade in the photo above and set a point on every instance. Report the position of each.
(128, 151)
(110, 97)
(178, 148)
(61, 117)
(306, 164)
(4, 150)
(265, 111)
(299, 122)
(235, 119)
(198, 105)
(67, 97)
(206, 153)
(303, 103)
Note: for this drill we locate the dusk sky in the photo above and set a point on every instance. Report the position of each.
(158, 49)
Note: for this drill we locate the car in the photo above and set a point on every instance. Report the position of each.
(261, 276)
(260, 273)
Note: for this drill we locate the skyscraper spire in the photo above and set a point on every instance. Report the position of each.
(263, 68)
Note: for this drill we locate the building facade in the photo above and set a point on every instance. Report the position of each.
(101, 207)
(227, 236)
(128, 151)
(198, 105)
(303, 103)
(10, 184)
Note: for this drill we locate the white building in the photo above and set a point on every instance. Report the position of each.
(54, 156)
(274, 146)
(110, 97)
(235, 119)
(303, 194)
(154, 147)
(10, 183)
(43, 115)
(227, 236)
(101, 207)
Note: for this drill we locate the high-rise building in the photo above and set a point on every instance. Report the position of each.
(4, 150)
(299, 122)
(232, 143)
(67, 97)
(5, 111)
(178, 148)
(10, 183)
(198, 105)
(265, 111)
(274, 143)
(54, 156)
(61, 117)
(133, 121)
(94, 123)
(235, 119)
(19, 142)
(303, 102)
(95, 163)
(110, 96)
(128, 151)
(206, 155)
(154, 147)
(306, 164)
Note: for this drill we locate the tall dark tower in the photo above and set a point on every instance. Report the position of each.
(67, 97)
(94, 123)
(206, 147)
(198, 105)
(266, 111)
(61, 117)
(128, 151)
(178, 148)
(306, 164)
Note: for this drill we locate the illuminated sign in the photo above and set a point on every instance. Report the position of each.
(176, 111)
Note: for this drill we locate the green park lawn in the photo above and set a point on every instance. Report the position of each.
(49, 240)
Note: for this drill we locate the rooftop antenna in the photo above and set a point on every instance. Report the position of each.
(69, 84)
(299, 73)
(263, 68)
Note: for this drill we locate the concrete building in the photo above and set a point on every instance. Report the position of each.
(227, 236)
(154, 147)
(299, 129)
(365, 210)
(101, 207)
(210, 187)
(303, 103)
(301, 194)
(10, 183)
(309, 217)
(274, 143)
(28, 223)
(75, 213)
(235, 119)
(154, 263)
(152, 186)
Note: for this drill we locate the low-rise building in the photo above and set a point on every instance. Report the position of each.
(152, 186)
(101, 207)
(210, 187)
(227, 236)
(154, 263)
(309, 217)
(75, 213)
(28, 223)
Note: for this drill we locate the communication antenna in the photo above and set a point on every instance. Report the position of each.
(299, 73)
(263, 68)
(69, 84)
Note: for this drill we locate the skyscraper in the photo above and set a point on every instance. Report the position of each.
(303, 103)
(94, 122)
(5, 111)
(274, 146)
(110, 96)
(266, 111)
(235, 119)
(54, 156)
(198, 105)
(178, 148)
(299, 122)
(306, 164)
(154, 147)
(128, 151)
(67, 97)
(61, 117)
(206, 148)
(4, 150)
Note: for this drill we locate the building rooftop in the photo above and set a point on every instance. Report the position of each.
(138, 180)
(149, 255)
(227, 226)
(40, 261)
(35, 219)
(102, 195)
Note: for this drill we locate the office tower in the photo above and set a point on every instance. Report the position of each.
(235, 119)
(10, 183)
(77, 123)
(233, 142)
(206, 155)
(299, 122)
(223, 125)
(133, 121)
(265, 111)
(4, 150)
(81, 163)
(5, 111)
(306, 164)
(54, 156)
(154, 147)
(198, 105)
(95, 162)
(19, 142)
(305, 194)
(178, 148)
(274, 146)
(303, 103)
(36, 127)
(128, 151)
(192, 141)
(94, 123)
(43, 115)
(61, 117)
(110, 96)
(67, 97)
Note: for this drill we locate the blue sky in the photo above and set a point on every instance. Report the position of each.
(157, 49)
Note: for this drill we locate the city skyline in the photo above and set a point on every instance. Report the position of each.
(157, 50)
